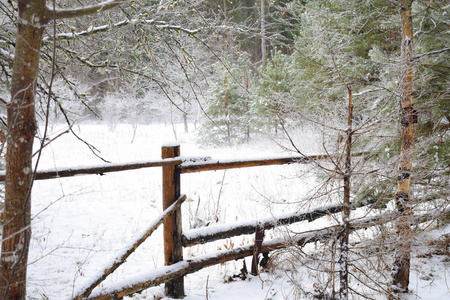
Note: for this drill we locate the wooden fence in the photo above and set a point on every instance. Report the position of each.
(173, 166)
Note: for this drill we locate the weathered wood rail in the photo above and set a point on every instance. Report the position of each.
(218, 232)
(100, 169)
(191, 265)
(173, 165)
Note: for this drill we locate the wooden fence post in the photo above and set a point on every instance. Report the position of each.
(259, 238)
(173, 249)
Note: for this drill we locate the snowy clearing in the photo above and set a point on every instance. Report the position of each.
(81, 223)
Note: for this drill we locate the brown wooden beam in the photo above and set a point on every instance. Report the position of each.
(241, 163)
(259, 238)
(192, 265)
(189, 266)
(210, 234)
(101, 170)
(186, 166)
(173, 249)
(116, 263)
(215, 165)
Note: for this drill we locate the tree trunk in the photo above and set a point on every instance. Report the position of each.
(263, 33)
(343, 259)
(33, 17)
(185, 117)
(21, 130)
(408, 118)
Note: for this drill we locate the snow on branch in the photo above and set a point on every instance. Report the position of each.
(6, 54)
(431, 53)
(93, 30)
(84, 11)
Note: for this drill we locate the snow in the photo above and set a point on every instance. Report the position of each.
(6, 54)
(122, 255)
(170, 143)
(81, 224)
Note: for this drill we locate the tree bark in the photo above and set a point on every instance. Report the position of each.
(343, 258)
(263, 35)
(32, 19)
(21, 130)
(408, 117)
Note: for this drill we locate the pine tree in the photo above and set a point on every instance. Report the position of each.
(273, 95)
(228, 107)
(369, 50)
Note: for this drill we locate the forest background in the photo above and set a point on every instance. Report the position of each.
(246, 69)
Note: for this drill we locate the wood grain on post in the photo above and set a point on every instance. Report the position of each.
(173, 249)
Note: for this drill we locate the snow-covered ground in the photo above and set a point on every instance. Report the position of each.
(80, 223)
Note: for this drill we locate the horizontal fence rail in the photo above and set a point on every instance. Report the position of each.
(215, 165)
(173, 165)
(143, 281)
(186, 165)
(209, 234)
(100, 169)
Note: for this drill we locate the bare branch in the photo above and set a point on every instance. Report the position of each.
(6, 54)
(93, 30)
(84, 11)
(431, 53)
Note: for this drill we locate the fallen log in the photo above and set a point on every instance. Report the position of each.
(120, 259)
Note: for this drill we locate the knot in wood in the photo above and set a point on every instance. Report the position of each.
(408, 116)
(400, 198)
(403, 173)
